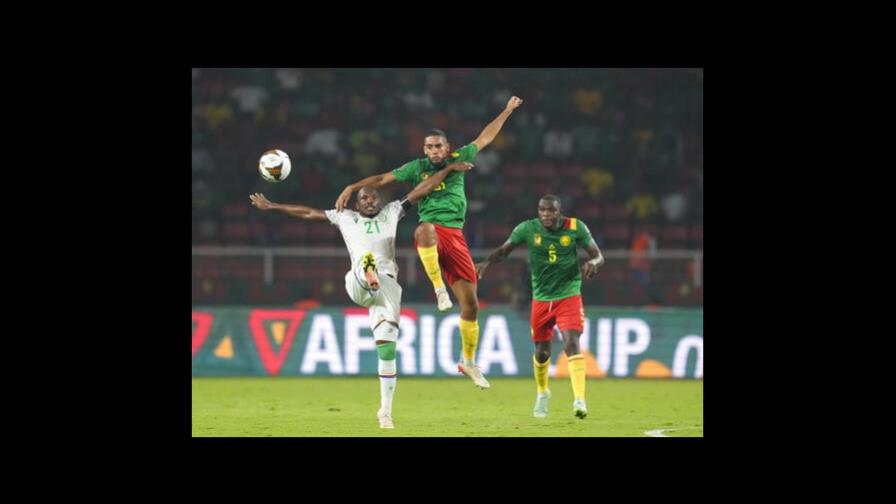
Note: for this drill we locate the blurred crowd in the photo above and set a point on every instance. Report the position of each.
(621, 147)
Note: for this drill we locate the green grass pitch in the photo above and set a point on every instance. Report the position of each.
(440, 407)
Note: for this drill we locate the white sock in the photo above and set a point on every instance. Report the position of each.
(387, 385)
(468, 362)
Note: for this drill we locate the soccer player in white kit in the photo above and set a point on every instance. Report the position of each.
(369, 234)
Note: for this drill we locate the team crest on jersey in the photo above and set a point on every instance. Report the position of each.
(537, 240)
(565, 240)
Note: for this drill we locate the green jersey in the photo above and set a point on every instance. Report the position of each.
(553, 256)
(447, 204)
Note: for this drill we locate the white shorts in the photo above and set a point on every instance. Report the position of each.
(384, 303)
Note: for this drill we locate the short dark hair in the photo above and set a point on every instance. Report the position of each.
(436, 132)
(551, 197)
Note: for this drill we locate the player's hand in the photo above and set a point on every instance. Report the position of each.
(514, 103)
(589, 269)
(480, 269)
(260, 202)
(461, 166)
(343, 198)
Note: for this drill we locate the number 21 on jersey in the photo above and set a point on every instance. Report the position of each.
(370, 225)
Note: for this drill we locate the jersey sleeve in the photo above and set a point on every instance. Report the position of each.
(466, 153)
(407, 171)
(520, 233)
(332, 216)
(395, 209)
(583, 235)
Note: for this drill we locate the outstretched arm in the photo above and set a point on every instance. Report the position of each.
(589, 269)
(375, 181)
(498, 255)
(491, 131)
(430, 184)
(298, 211)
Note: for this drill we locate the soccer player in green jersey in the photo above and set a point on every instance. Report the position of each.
(553, 242)
(439, 237)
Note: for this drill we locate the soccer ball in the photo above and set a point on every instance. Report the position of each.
(274, 165)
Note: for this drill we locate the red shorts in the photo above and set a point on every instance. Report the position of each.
(454, 255)
(567, 314)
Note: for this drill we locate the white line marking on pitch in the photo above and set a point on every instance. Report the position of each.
(659, 432)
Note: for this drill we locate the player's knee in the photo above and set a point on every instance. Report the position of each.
(386, 350)
(385, 332)
(542, 354)
(469, 310)
(426, 235)
(469, 305)
(571, 345)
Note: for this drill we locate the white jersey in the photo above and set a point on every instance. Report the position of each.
(370, 234)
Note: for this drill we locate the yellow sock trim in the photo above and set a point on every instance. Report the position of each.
(541, 374)
(576, 365)
(429, 256)
(469, 335)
